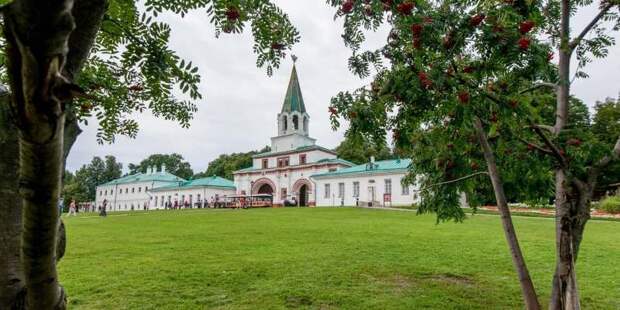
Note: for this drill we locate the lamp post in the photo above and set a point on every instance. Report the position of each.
(251, 188)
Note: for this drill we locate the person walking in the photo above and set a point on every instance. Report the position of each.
(103, 207)
(72, 208)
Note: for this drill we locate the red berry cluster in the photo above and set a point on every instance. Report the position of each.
(524, 43)
(277, 46)
(475, 20)
(347, 6)
(333, 111)
(405, 8)
(463, 97)
(232, 14)
(526, 26)
(424, 80)
(387, 4)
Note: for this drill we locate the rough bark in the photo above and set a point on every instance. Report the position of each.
(570, 220)
(527, 287)
(11, 272)
(37, 35)
(36, 32)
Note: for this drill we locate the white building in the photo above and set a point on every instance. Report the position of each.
(192, 193)
(285, 171)
(132, 192)
(375, 184)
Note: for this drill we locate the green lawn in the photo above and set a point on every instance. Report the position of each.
(319, 258)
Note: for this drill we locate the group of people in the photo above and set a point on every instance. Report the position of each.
(215, 203)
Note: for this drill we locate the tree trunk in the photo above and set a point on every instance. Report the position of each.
(11, 272)
(572, 214)
(527, 287)
(37, 36)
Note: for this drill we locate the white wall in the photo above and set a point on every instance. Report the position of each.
(123, 196)
(183, 194)
(290, 142)
(365, 182)
(311, 157)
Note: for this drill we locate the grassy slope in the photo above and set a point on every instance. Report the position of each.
(318, 258)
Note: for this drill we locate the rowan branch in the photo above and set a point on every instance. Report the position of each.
(539, 85)
(452, 181)
(536, 146)
(615, 154)
(555, 151)
(575, 42)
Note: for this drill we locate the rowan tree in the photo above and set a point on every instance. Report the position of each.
(466, 84)
(65, 60)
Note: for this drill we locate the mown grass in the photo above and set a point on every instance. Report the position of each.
(319, 258)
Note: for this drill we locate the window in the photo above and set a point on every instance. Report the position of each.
(285, 123)
(405, 191)
(198, 198)
(100, 193)
(331, 169)
(182, 199)
(340, 190)
(265, 163)
(106, 192)
(356, 189)
(190, 200)
(388, 186)
(327, 191)
(126, 191)
(155, 200)
(283, 193)
(111, 191)
(133, 190)
(139, 189)
(302, 159)
(146, 188)
(295, 122)
(161, 202)
(283, 162)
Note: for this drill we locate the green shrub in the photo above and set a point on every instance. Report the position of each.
(610, 204)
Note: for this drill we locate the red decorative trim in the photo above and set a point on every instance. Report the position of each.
(299, 183)
(262, 181)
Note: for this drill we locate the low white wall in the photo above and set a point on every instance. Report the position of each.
(368, 184)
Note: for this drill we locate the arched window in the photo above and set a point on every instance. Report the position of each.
(305, 124)
(295, 122)
(284, 123)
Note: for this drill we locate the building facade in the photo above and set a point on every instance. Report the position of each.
(285, 171)
(132, 192)
(196, 193)
(371, 184)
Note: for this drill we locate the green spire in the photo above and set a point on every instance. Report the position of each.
(293, 100)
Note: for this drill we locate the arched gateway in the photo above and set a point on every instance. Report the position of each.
(302, 189)
(264, 186)
(285, 170)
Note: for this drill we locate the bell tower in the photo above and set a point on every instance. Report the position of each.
(293, 120)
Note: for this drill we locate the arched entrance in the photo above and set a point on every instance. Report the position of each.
(303, 195)
(303, 190)
(265, 189)
(263, 186)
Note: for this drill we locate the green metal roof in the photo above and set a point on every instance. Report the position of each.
(336, 160)
(145, 177)
(293, 101)
(213, 181)
(299, 149)
(378, 167)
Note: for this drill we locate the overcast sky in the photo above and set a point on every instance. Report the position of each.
(240, 102)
